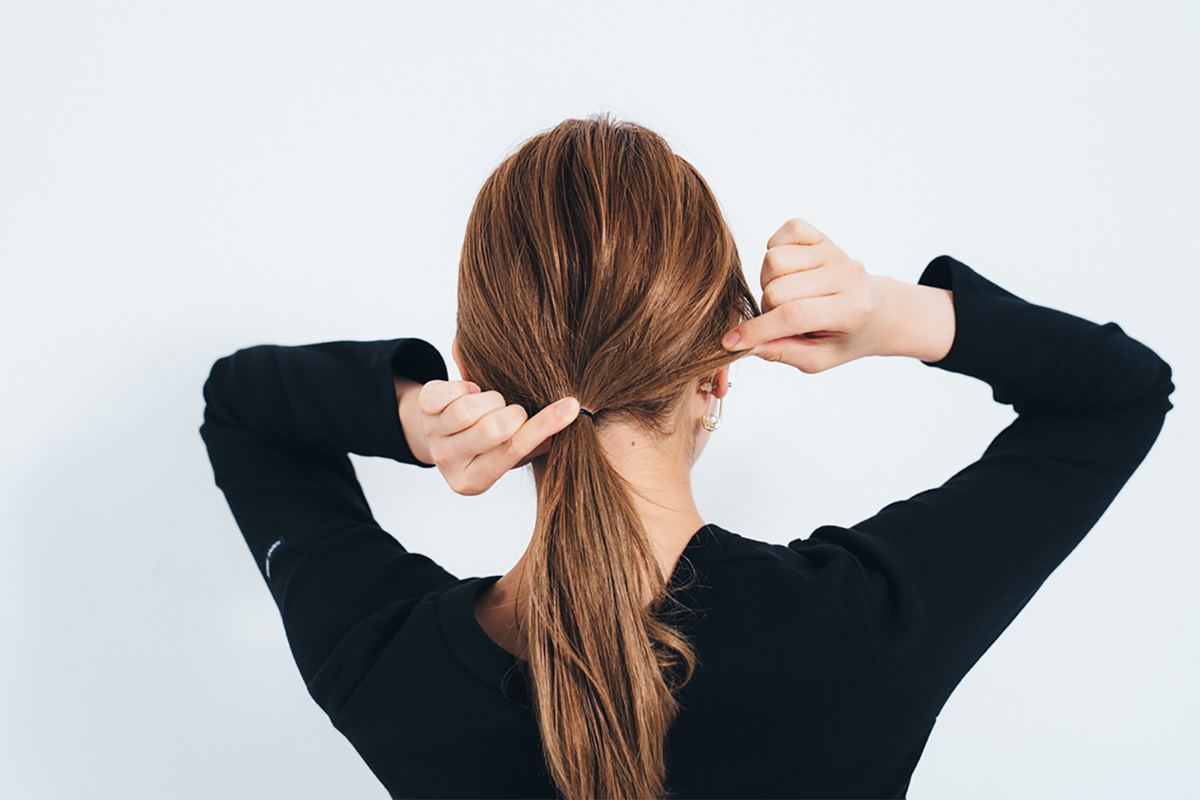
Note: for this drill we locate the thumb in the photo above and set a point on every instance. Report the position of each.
(807, 355)
(733, 339)
(539, 428)
(769, 351)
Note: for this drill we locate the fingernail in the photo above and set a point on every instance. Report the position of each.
(566, 408)
(475, 389)
(731, 339)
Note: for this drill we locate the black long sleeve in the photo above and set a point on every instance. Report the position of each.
(823, 663)
(958, 562)
(278, 424)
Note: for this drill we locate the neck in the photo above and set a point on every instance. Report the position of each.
(660, 472)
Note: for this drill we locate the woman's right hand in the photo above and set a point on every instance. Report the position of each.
(474, 437)
(821, 308)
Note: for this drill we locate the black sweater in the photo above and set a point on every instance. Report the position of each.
(823, 663)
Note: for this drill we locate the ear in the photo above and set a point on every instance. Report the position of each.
(458, 359)
(722, 383)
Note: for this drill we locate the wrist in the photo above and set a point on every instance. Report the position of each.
(919, 321)
(407, 393)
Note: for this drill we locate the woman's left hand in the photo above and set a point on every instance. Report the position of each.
(474, 437)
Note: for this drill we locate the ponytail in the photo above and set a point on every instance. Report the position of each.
(601, 663)
(597, 264)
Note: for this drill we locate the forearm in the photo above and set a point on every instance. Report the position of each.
(919, 320)
(332, 397)
(407, 393)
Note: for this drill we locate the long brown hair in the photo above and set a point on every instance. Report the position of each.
(597, 265)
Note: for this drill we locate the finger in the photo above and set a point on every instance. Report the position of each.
(786, 259)
(796, 231)
(436, 395)
(489, 431)
(805, 354)
(793, 318)
(540, 450)
(536, 430)
(464, 412)
(799, 285)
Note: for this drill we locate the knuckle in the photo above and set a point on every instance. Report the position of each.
(792, 314)
(426, 400)
(461, 415)
(493, 429)
(865, 307)
(770, 295)
(771, 265)
(795, 226)
(766, 277)
(439, 454)
(860, 305)
(464, 485)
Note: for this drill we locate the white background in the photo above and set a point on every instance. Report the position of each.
(181, 180)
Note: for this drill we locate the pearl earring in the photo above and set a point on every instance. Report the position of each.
(712, 421)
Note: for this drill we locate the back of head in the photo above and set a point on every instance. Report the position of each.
(597, 264)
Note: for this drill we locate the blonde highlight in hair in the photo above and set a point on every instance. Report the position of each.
(597, 264)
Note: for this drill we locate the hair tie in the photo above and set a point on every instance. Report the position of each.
(587, 414)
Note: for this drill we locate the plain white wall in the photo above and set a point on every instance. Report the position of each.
(181, 180)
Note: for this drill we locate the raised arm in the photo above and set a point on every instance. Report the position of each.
(962, 560)
(278, 424)
(944, 572)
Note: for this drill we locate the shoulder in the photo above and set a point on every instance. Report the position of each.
(813, 553)
(820, 564)
(810, 602)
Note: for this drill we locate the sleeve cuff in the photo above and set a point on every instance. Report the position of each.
(977, 304)
(420, 362)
